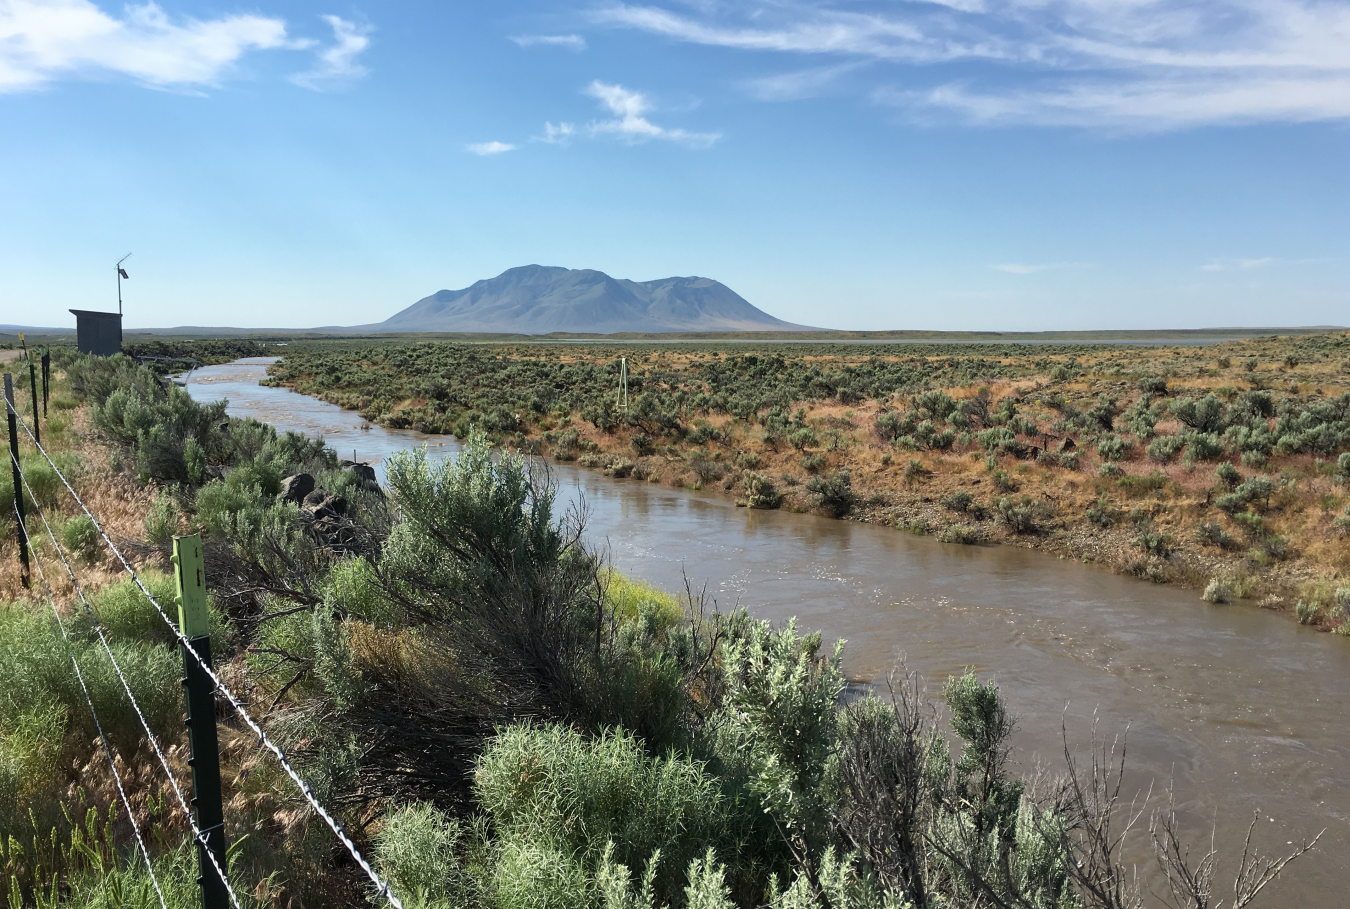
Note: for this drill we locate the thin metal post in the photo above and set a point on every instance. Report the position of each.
(12, 414)
(204, 747)
(32, 382)
(46, 377)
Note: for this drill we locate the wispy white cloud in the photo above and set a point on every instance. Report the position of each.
(629, 109)
(43, 40)
(337, 64)
(1233, 264)
(1016, 268)
(556, 133)
(800, 84)
(490, 148)
(1136, 64)
(571, 42)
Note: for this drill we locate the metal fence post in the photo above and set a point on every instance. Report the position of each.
(194, 623)
(46, 377)
(32, 382)
(12, 414)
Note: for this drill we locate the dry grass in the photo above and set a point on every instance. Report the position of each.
(112, 495)
(1318, 552)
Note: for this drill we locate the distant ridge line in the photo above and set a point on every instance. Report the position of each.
(8, 334)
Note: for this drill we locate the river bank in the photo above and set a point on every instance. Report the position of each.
(1144, 460)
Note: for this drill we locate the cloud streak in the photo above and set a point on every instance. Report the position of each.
(556, 133)
(490, 148)
(337, 64)
(1138, 64)
(1016, 268)
(1263, 262)
(571, 42)
(630, 122)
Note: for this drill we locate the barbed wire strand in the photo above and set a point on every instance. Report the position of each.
(197, 833)
(103, 738)
(381, 885)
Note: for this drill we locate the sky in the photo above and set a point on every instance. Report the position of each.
(878, 164)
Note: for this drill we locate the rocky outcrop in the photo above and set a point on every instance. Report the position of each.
(295, 488)
(319, 505)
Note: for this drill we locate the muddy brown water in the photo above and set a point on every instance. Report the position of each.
(1235, 707)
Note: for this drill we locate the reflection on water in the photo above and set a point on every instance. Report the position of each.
(1240, 707)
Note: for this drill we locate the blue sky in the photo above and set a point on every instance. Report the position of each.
(965, 164)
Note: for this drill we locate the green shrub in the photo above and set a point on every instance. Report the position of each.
(960, 533)
(915, 471)
(80, 536)
(1155, 544)
(1211, 534)
(37, 675)
(834, 493)
(555, 789)
(1111, 447)
(1203, 446)
(812, 463)
(1217, 592)
(803, 438)
(1205, 415)
(1343, 467)
(1257, 489)
(126, 615)
(775, 735)
(40, 481)
(760, 491)
(1101, 514)
(415, 852)
(1019, 516)
(1164, 448)
(1228, 475)
(161, 521)
(957, 501)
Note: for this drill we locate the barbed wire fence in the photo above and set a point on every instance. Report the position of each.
(210, 840)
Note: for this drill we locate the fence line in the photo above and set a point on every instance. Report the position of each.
(197, 834)
(381, 885)
(103, 738)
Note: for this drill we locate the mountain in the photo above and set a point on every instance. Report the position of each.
(538, 299)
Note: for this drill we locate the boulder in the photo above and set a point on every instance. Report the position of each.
(296, 488)
(320, 505)
(365, 474)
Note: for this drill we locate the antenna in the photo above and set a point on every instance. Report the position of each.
(121, 273)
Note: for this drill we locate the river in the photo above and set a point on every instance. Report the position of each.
(1235, 707)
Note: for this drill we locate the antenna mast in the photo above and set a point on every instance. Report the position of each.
(622, 398)
(121, 273)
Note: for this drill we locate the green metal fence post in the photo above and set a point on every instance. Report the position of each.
(12, 414)
(204, 747)
(32, 382)
(46, 377)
